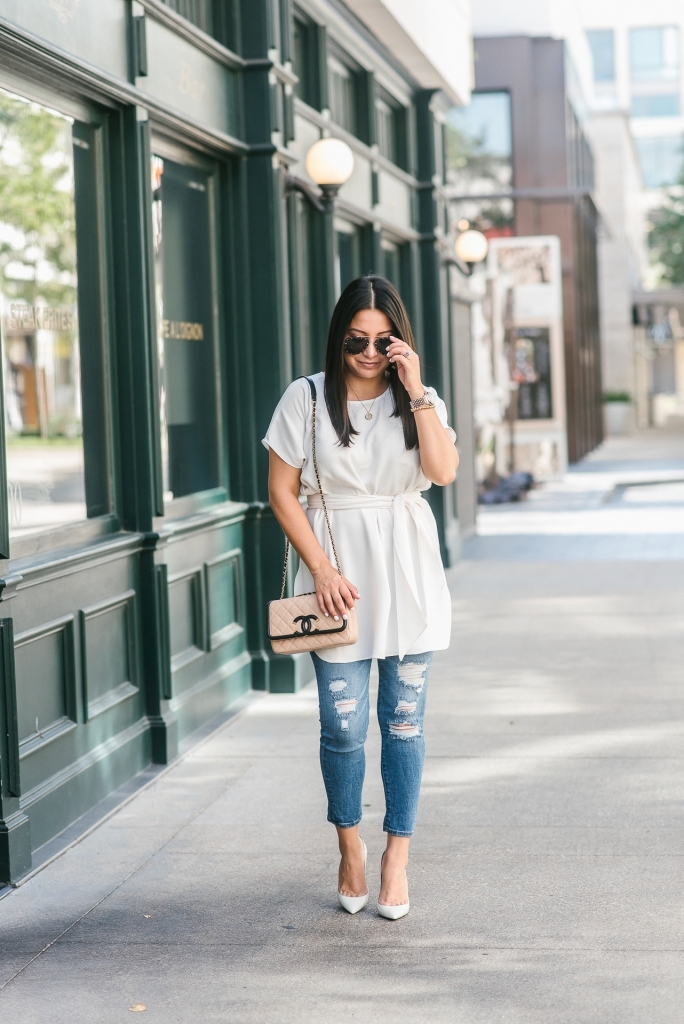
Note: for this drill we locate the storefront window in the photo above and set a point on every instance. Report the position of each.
(39, 318)
(185, 328)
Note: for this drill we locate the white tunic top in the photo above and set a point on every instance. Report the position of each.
(385, 532)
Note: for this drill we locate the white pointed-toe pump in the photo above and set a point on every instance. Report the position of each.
(352, 904)
(389, 910)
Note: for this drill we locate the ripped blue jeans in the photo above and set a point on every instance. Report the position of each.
(344, 706)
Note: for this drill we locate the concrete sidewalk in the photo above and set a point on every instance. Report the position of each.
(624, 501)
(547, 871)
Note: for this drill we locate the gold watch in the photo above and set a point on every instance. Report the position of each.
(424, 402)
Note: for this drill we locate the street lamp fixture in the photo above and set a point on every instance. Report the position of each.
(471, 247)
(330, 164)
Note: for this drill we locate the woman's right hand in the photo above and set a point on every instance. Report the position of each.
(334, 592)
(336, 595)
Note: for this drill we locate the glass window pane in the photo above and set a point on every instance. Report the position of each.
(654, 53)
(386, 129)
(348, 254)
(342, 94)
(486, 121)
(391, 262)
(663, 105)
(38, 295)
(479, 159)
(304, 61)
(602, 45)
(662, 159)
(199, 12)
(188, 377)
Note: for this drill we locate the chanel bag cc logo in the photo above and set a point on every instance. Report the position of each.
(306, 622)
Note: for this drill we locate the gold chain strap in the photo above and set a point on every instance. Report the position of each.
(325, 508)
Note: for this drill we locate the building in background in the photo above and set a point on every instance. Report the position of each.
(636, 67)
(520, 152)
(622, 249)
(623, 69)
(637, 75)
(658, 318)
(166, 269)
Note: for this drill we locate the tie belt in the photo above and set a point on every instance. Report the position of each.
(417, 586)
(344, 501)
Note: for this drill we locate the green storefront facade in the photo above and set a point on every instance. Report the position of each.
(164, 276)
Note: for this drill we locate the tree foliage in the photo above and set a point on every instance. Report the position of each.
(666, 237)
(38, 257)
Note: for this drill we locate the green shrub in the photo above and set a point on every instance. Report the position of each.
(617, 396)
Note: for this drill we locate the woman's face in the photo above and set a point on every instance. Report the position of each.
(368, 323)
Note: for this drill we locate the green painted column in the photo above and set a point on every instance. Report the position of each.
(433, 283)
(15, 838)
(142, 497)
(270, 344)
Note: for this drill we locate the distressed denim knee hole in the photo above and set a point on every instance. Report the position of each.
(404, 730)
(412, 674)
(406, 707)
(346, 706)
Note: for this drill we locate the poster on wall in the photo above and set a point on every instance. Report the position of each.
(532, 373)
(526, 277)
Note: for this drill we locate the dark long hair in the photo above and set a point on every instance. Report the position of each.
(371, 292)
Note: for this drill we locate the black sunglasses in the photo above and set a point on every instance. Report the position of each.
(355, 346)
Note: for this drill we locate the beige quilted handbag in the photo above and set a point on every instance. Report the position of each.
(296, 624)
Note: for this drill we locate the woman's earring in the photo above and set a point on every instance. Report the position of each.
(387, 374)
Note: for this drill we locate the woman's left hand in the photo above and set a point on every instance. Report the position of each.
(408, 367)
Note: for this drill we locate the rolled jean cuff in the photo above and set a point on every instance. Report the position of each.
(399, 835)
(340, 824)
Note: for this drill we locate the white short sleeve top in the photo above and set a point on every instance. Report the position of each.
(385, 532)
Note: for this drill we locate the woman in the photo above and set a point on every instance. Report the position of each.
(381, 438)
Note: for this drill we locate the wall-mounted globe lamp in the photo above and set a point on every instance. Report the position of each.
(471, 247)
(329, 163)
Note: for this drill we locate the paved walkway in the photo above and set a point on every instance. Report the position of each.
(624, 501)
(547, 872)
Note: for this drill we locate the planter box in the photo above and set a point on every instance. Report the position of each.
(616, 415)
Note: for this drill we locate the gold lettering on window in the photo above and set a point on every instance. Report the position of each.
(40, 318)
(65, 8)
(189, 85)
(183, 330)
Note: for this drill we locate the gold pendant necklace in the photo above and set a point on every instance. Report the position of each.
(369, 414)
